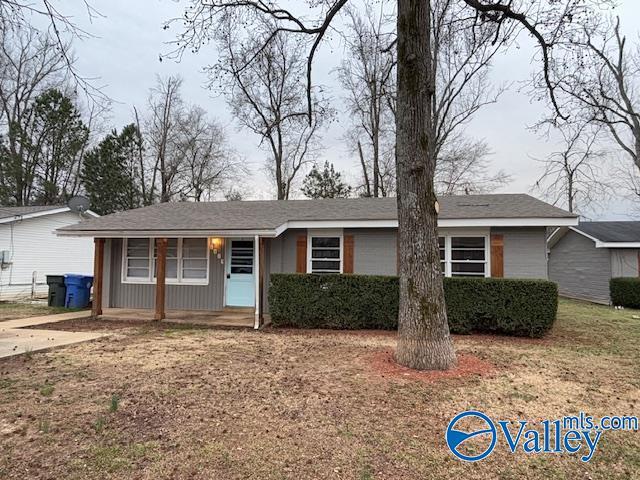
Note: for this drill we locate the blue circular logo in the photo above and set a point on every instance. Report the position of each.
(457, 438)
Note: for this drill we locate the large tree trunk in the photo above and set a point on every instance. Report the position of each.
(423, 332)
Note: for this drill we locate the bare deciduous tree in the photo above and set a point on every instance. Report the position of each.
(165, 110)
(573, 176)
(599, 80)
(266, 96)
(18, 15)
(424, 341)
(368, 77)
(463, 168)
(462, 55)
(207, 162)
(29, 64)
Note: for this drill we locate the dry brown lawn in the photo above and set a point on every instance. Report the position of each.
(10, 310)
(163, 402)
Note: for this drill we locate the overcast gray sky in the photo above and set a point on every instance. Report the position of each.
(124, 56)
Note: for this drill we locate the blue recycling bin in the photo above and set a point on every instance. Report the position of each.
(78, 290)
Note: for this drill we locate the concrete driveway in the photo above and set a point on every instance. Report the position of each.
(15, 339)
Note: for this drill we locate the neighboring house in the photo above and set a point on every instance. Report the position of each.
(30, 250)
(583, 258)
(220, 254)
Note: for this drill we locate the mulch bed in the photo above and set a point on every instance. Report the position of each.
(384, 364)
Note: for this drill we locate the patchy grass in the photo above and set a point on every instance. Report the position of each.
(286, 404)
(47, 390)
(10, 310)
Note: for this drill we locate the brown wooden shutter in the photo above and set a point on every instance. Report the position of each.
(301, 254)
(497, 256)
(347, 265)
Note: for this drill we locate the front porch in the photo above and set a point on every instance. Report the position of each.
(210, 281)
(229, 317)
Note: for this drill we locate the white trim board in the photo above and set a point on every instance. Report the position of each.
(601, 244)
(442, 223)
(53, 211)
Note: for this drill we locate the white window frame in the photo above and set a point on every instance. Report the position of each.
(334, 233)
(447, 253)
(151, 279)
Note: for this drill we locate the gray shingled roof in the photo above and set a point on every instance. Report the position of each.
(268, 215)
(6, 212)
(611, 231)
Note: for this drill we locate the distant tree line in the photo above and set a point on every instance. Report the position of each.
(53, 147)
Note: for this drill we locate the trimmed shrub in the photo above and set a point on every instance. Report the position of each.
(506, 306)
(334, 301)
(524, 308)
(625, 292)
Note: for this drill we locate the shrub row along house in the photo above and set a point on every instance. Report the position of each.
(585, 257)
(219, 255)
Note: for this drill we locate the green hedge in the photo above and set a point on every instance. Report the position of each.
(625, 292)
(506, 306)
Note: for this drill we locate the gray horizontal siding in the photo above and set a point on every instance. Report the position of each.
(624, 262)
(282, 251)
(525, 252)
(374, 251)
(178, 297)
(580, 269)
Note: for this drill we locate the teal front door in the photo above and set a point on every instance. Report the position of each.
(240, 280)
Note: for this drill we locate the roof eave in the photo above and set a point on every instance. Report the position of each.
(442, 222)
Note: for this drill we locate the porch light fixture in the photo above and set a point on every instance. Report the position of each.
(215, 244)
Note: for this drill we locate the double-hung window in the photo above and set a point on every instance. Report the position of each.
(187, 260)
(171, 271)
(136, 264)
(468, 257)
(325, 254)
(194, 259)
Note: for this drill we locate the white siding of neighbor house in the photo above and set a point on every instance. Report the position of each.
(525, 252)
(580, 269)
(624, 262)
(36, 250)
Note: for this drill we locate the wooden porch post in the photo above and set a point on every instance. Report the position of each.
(98, 276)
(262, 278)
(257, 260)
(161, 267)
